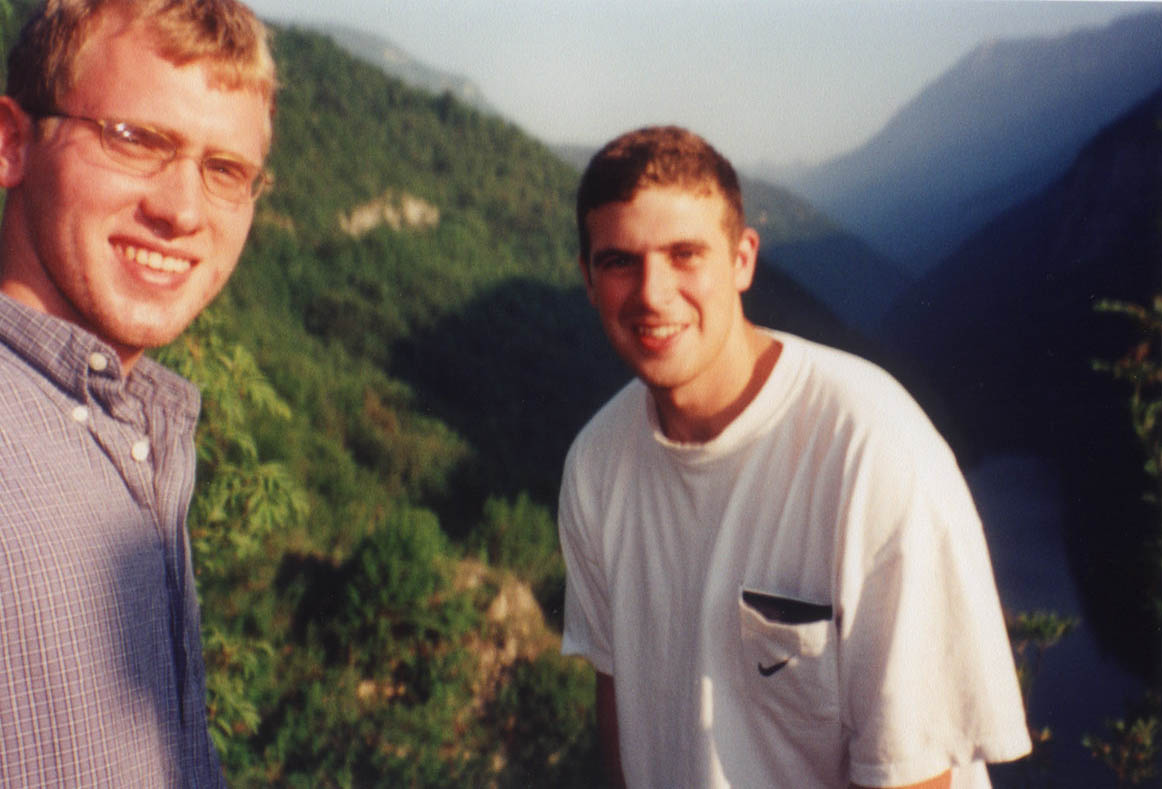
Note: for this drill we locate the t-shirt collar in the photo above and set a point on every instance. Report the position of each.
(764, 410)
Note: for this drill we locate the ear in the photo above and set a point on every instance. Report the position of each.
(745, 258)
(586, 275)
(15, 138)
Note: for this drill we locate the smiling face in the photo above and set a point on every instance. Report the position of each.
(131, 258)
(665, 278)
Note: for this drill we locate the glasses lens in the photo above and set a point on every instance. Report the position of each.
(231, 179)
(148, 151)
(138, 147)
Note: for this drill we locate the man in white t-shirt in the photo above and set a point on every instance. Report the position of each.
(774, 564)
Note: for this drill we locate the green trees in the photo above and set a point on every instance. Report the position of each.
(370, 550)
(1131, 747)
(386, 659)
(1141, 368)
(521, 535)
(1031, 634)
(238, 503)
(6, 21)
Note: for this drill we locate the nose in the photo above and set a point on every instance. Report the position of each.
(657, 285)
(175, 204)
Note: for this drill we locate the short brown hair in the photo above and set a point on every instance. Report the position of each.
(657, 156)
(224, 33)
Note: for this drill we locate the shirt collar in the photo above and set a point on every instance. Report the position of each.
(79, 363)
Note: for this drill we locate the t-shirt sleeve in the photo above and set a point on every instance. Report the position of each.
(587, 615)
(926, 669)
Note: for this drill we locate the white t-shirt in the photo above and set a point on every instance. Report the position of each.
(803, 601)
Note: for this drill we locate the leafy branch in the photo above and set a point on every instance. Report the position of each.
(239, 502)
(1132, 747)
(1141, 368)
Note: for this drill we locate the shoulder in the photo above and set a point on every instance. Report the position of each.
(14, 369)
(605, 447)
(24, 389)
(843, 375)
(161, 386)
(622, 416)
(903, 475)
(856, 418)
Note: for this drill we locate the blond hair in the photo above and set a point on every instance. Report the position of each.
(225, 34)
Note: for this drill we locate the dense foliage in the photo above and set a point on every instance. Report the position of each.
(1131, 747)
(376, 475)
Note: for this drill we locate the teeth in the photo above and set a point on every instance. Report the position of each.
(155, 260)
(658, 332)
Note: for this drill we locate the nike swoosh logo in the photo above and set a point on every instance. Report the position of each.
(766, 671)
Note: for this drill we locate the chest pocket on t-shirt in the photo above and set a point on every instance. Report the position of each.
(789, 655)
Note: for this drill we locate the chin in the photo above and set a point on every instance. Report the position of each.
(140, 335)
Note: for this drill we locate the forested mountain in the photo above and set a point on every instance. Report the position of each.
(996, 128)
(410, 291)
(1006, 330)
(477, 305)
(390, 382)
(395, 62)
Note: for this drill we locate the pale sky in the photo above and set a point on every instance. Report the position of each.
(764, 80)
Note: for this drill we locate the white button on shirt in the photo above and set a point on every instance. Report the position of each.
(80, 414)
(91, 546)
(140, 450)
(98, 362)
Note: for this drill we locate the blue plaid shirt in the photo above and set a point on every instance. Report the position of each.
(101, 674)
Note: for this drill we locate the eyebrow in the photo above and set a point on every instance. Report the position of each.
(682, 244)
(599, 255)
(693, 244)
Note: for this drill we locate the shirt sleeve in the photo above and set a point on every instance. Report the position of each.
(587, 613)
(926, 671)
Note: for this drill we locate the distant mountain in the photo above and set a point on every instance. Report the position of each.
(842, 272)
(996, 128)
(395, 62)
(1008, 319)
(839, 269)
(576, 155)
(776, 300)
(1006, 330)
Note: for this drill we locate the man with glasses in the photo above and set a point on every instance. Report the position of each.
(132, 138)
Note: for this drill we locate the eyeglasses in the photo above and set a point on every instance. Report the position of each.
(147, 151)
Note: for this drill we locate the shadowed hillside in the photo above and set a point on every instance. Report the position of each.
(1006, 328)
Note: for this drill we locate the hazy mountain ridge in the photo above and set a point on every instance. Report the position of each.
(395, 62)
(1013, 305)
(855, 282)
(1006, 329)
(994, 129)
